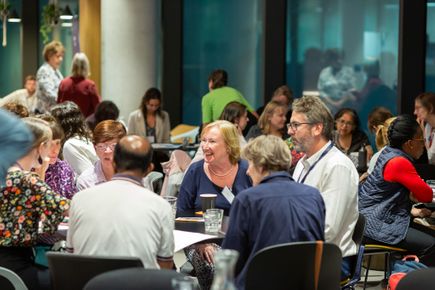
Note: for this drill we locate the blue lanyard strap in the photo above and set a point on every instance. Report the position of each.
(315, 163)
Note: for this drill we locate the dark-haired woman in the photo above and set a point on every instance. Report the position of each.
(425, 112)
(150, 120)
(348, 136)
(78, 149)
(385, 197)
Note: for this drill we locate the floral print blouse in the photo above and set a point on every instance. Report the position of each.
(61, 178)
(26, 201)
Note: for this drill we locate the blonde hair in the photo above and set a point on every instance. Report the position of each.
(269, 153)
(231, 138)
(80, 65)
(382, 133)
(269, 110)
(52, 48)
(40, 130)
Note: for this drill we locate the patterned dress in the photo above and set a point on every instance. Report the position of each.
(26, 202)
(61, 178)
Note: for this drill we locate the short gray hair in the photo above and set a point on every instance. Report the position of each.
(80, 65)
(269, 153)
(316, 112)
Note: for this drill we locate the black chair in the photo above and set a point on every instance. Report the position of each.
(133, 279)
(357, 237)
(72, 272)
(298, 266)
(418, 280)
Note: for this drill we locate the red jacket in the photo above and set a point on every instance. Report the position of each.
(81, 91)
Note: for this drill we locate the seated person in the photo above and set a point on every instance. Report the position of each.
(272, 122)
(19, 110)
(385, 197)
(28, 208)
(122, 218)
(59, 174)
(235, 113)
(106, 110)
(276, 210)
(25, 97)
(150, 120)
(106, 135)
(348, 136)
(282, 95)
(78, 149)
(220, 171)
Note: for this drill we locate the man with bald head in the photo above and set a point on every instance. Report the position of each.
(121, 217)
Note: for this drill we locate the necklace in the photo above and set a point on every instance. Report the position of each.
(221, 175)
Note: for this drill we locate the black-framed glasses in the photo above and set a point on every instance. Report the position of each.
(295, 125)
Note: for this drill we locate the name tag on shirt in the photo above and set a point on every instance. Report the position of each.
(226, 192)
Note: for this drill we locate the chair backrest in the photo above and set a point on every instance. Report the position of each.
(133, 278)
(358, 232)
(13, 278)
(71, 271)
(418, 280)
(292, 266)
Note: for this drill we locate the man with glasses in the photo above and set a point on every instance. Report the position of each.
(329, 170)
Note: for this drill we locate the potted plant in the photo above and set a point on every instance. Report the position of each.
(50, 18)
(4, 11)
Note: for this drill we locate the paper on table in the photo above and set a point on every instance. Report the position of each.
(184, 239)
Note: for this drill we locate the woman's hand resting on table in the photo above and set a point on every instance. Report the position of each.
(207, 252)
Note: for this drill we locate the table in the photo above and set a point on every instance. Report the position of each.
(198, 227)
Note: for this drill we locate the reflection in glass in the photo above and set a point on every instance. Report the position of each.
(344, 51)
(430, 50)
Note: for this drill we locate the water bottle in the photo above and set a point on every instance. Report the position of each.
(362, 159)
(225, 262)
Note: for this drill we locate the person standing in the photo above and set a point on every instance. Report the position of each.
(25, 97)
(329, 170)
(78, 88)
(219, 96)
(49, 76)
(121, 217)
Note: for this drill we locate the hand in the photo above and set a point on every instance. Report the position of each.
(421, 123)
(206, 251)
(43, 168)
(421, 212)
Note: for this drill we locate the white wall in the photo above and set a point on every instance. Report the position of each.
(129, 59)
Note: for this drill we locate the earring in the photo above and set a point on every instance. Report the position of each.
(40, 160)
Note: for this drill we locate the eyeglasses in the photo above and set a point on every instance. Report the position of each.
(418, 139)
(344, 123)
(103, 147)
(295, 125)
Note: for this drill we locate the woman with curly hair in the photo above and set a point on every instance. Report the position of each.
(78, 149)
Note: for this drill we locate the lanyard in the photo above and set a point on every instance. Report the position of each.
(315, 163)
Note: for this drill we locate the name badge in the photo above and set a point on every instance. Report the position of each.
(226, 192)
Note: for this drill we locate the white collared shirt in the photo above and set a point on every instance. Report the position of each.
(336, 178)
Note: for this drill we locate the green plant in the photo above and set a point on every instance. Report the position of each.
(50, 18)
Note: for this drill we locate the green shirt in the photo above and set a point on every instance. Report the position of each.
(215, 101)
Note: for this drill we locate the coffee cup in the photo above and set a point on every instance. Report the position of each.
(208, 200)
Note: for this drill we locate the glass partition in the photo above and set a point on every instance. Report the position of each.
(344, 51)
(221, 34)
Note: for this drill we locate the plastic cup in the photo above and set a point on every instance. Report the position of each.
(183, 283)
(208, 200)
(213, 220)
(173, 202)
